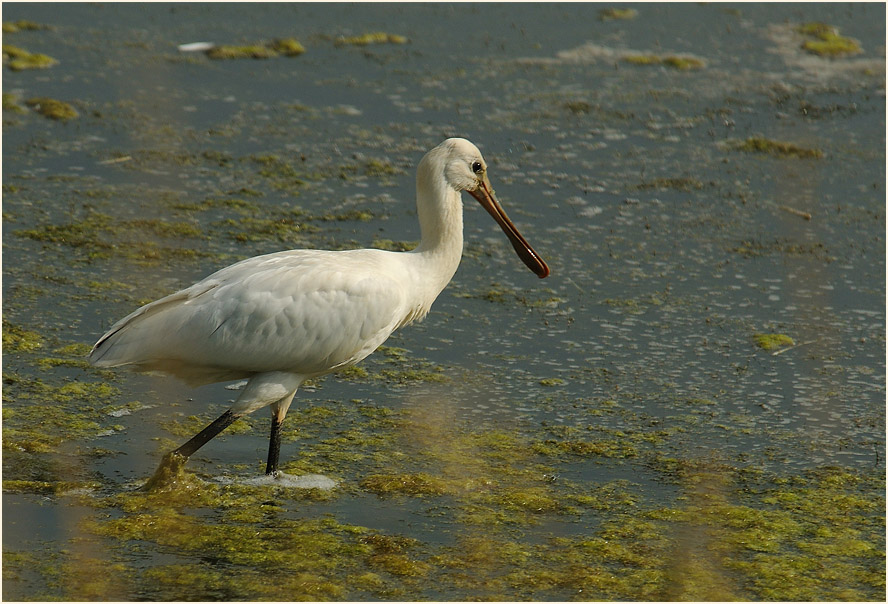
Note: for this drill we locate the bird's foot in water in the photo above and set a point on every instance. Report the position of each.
(170, 473)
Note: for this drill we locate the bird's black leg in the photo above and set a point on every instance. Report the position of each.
(274, 442)
(170, 470)
(205, 435)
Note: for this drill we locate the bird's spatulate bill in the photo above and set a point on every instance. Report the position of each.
(484, 195)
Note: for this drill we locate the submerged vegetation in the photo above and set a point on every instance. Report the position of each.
(11, 27)
(770, 341)
(19, 59)
(10, 103)
(376, 37)
(759, 144)
(52, 108)
(291, 47)
(288, 47)
(617, 14)
(677, 183)
(97, 235)
(742, 534)
(253, 51)
(682, 63)
(824, 40)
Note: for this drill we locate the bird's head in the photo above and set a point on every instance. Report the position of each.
(466, 170)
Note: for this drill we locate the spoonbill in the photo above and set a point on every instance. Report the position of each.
(282, 318)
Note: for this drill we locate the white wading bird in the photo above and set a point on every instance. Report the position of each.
(282, 318)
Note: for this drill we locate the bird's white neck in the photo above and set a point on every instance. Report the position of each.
(439, 208)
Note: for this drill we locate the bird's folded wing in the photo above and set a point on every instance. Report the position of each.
(306, 312)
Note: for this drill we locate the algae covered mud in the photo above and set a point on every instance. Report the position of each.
(691, 407)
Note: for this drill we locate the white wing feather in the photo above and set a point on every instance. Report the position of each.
(303, 311)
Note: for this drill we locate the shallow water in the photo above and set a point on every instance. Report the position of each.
(556, 439)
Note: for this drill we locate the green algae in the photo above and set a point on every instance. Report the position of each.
(578, 107)
(394, 365)
(288, 47)
(681, 63)
(607, 497)
(825, 40)
(502, 294)
(39, 416)
(284, 227)
(390, 554)
(513, 562)
(536, 500)
(393, 246)
(10, 103)
(637, 306)
(342, 436)
(492, 488)
(770, 341)
(403, 484)
(303, 558)
(19, 59)
(832, 45)
(99, 235)
(722, 538)
(740, 535)
(349, 216)
(68, 575)
(497, 293)
(252, 51)
(599, 448)
(676, 183)
(374, 168)
(71, 355)
(52, 108)
(11, 27)
(151, 158)
(209, 582)
(43, 487)
(617, 14)
(281, 173)
(408, 375)
(274, 166)
(812, 519)
(757, 144)
(371, 38)
(86, 232)
(755, 248)
(17, 340)
(163, 228)
(643, 59)
(290, 546)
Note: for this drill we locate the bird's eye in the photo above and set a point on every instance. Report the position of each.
(477, 168)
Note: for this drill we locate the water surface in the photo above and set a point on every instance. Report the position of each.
(615, 431)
